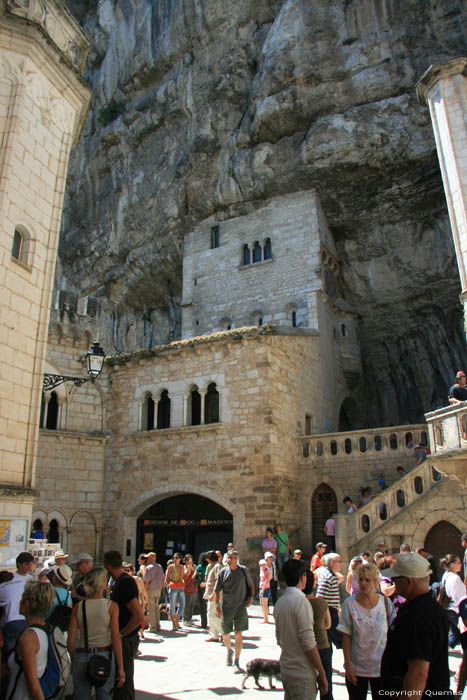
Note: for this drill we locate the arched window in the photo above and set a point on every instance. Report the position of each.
(246, 256)
(37, 530)
(256, 252)
(211, 405)
(378, 443)
(54, 532)
(20, 246)
(195, 405)
(256, 318)
(17, 246)
(267, 249)
(52, 412)
(147, 422)
(393, 441)
(163, 411)
(362, 443)
(333, 447)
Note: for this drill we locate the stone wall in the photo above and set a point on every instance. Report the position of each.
(220, 290)
(43, 101)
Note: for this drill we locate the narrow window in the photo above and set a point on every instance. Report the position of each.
(54, 532)
(306, 449)
(294, 319)
(211, 405)
(52, 412)
(256, 252)
(17, 247)
(393, 441)
(343, 329)
(260, 321)
(246, 257)
(148, 413)
(307, 425)
(267, 249)
(362, 442)
(400, 498)
(378, 443)
(163, 411)
(348, 446)
(37, 530)
(195, 398)
(215, 237)
(43, 410)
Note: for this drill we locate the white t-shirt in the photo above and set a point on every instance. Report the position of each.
(455, 589)
(21, 689)
(368, 630)
(10, 596)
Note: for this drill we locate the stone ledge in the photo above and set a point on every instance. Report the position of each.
(16, 492)
(148, 434)
(96, 435)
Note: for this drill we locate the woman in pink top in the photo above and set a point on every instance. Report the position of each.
(269, 544)
(264, 588)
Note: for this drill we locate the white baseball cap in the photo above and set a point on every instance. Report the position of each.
(410, 566)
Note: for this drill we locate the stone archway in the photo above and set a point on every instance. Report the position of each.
(350, 416)
(323, 504)
(443, 538)
(153, 496)
(431, 519)
(185, 523)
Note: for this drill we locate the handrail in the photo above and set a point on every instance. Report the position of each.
(395, 498)
(361, 444)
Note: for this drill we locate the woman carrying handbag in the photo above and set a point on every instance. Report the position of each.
(96, 621)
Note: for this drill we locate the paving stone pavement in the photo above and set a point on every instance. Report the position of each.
(182, 666)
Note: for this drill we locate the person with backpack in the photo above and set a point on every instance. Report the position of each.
(95, 619)
(62, 577)
(27, 664)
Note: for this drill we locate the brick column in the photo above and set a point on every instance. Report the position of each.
(443, 87)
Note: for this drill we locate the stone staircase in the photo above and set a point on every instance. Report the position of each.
(382, 520)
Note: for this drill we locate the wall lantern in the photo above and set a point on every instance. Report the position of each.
(94, 362)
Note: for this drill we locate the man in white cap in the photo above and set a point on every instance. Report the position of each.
(415, 660)
(83, 562)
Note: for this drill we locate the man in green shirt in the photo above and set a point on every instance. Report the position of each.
(283, 545)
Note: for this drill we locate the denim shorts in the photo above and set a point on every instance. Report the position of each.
(266, 593)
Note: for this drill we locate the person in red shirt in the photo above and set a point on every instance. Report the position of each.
(316, 558)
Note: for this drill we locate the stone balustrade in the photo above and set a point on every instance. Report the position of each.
(392, 501)
(448, 428)
(361, 444)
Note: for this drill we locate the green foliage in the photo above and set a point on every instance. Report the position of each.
(109, 112)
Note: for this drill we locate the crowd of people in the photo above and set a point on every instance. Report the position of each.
(392, 615)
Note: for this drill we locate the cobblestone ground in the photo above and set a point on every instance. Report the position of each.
(182, 666)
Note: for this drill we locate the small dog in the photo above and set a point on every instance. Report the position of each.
(262, 667)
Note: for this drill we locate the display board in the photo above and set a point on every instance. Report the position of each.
(13, 539)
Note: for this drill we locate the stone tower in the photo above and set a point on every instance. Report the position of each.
(43, 103)
(443, 87)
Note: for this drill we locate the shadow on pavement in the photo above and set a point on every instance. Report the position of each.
(148, 657)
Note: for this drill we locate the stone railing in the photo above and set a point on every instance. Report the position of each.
(361, 444)
(448, 428)
(54, 18)
(390, 502)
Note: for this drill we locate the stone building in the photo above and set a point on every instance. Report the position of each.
(43, 102)
(215, 436)
(251, 418)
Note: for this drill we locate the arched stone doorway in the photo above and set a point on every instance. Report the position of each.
(323, 504)
(350, 417)
(184, 523)
(443, 538)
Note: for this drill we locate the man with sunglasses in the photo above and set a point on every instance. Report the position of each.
(415, 660)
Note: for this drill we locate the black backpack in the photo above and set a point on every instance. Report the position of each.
(61, 615)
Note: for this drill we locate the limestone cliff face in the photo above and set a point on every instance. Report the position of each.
(204, 106)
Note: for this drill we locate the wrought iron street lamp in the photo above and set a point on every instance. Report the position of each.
(94, 362)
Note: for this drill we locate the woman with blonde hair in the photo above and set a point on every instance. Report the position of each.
(364, 623)
(103, 637)
(28, 663)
